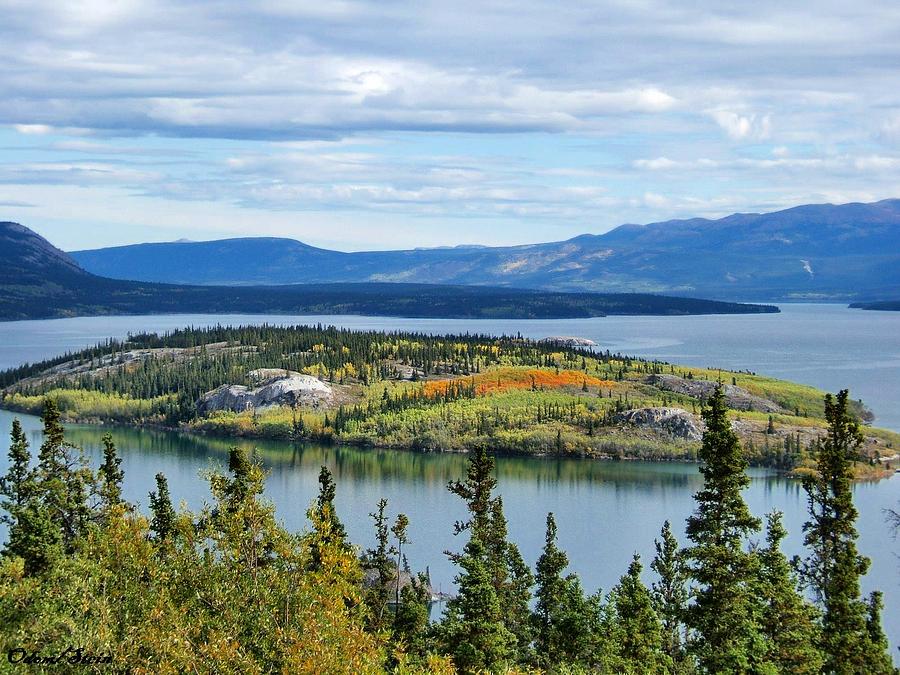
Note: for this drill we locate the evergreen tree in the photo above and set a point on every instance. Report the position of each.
(379, 559)
(17, 485)
(63, 480)
(788, 620)
(563, 619)
(110, 474)
(512, 579)
(473, 630)
(670, 594)
(634, 634)
(32, 534)
(476, 491)
(880, 661)
(326, 521)
(834, 566)
(724, 618)
(162, 521)
(411, 617)
(510, 576)
(399, 530)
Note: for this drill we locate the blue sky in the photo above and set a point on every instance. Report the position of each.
(363, 125)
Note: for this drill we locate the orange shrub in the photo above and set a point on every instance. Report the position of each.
(507, 379)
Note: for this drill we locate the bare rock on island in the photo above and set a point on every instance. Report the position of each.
(673, 421)
(568, 341)
(272, 387)
(737, 398)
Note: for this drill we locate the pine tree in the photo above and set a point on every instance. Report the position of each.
(411, 617)
(880, 660)
(472, 630)
(63, 480)
(788, 620)
(32, 534)
(162, 521)
(379, 559)
(17, 485)
(326, 520)
(563, 619)
(634, 633)
(670, 594)
(400, 530)
(110, 474)
(476, 492)
(724, 617)
(834, 566)
(511, 577)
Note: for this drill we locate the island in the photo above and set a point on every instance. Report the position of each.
(424, 392)
(883, 305)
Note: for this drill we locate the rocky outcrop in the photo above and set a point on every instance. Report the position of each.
(567, 341)
(272, 387)
(676, 422)
(737, 398)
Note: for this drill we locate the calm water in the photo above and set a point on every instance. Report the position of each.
(605, 510)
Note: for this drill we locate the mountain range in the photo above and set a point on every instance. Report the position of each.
(812, 252)
(37, 280)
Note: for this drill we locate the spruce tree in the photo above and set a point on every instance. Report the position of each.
(110, 474)
(162, 521)
(328, 526)
(476, 491)
(379, 559)
(63, 480)
(510, 577)
(563, 620)
(473, 630)
(670, 593)
(400, 531)
(834, 566)
(724, 617)
(17, 485)
(634, 634)
(411, 617)
(32, 534)
(788, 620)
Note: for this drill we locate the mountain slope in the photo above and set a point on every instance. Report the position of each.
(823, 251)
(38, 280)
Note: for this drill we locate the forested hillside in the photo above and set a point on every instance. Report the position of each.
(39, 281)
(813, 252)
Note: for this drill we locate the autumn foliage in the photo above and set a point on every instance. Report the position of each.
(507, 379)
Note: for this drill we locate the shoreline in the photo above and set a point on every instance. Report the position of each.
(882, 473)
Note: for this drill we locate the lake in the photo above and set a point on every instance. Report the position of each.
(605, 510)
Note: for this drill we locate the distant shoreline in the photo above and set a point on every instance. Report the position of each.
(881, 306)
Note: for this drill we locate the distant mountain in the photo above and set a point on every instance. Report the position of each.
(37, 280)
(851, 251)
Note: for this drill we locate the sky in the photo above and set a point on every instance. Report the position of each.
(377, 125)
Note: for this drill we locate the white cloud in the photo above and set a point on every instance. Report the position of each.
(591, 114)
(33, 129)
(743, 127)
